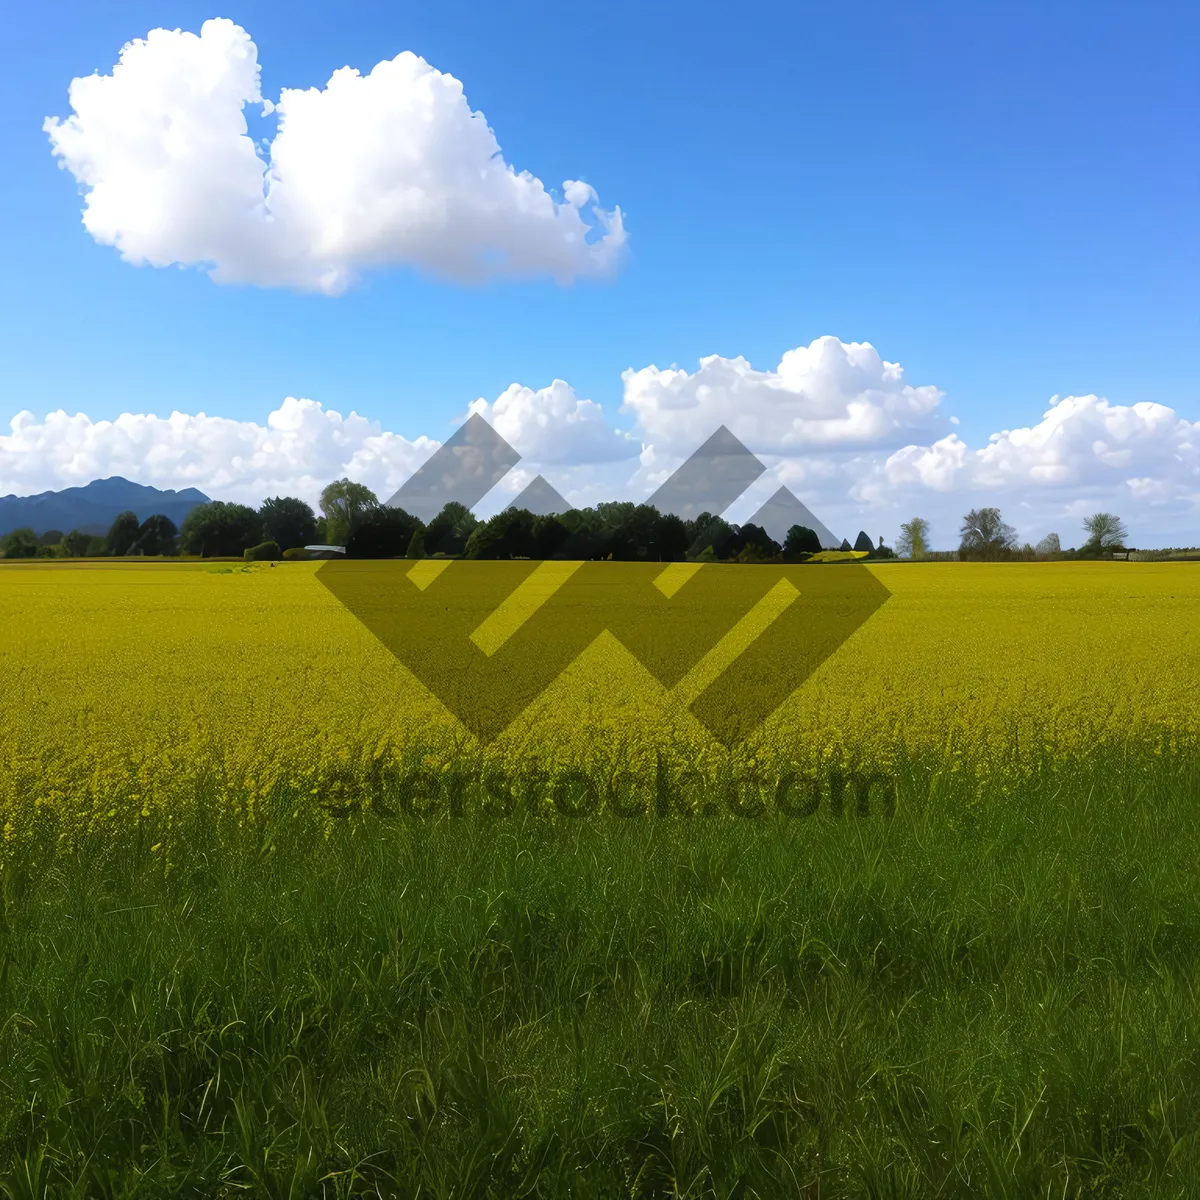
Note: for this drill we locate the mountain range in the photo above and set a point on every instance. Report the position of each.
(94, 507)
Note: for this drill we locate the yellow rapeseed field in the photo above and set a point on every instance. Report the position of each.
(128, 685)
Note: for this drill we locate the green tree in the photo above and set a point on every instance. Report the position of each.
(708, 530)
(448, 532)
(382, 532)
(21, 543)
(616, 513)
(509, 534)
(863, 542)
(643, 534)
(51, 537)
(985, 535)
(76, 544)
(123, 534)
(801, 540)
(1106, 531)
(550, 534)
(1050, 544)
(416, 544)
(587, 531)
(670, 538)
(288, 521)
(345, 504)
(913, 541)
(157, 535)
(217, 529)
(267, 551)
(750, 543)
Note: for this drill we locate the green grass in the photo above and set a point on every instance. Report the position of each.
(991, 993)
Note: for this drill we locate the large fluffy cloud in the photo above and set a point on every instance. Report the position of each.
(830, 394)
(299, 449)
(1148, 450)
(553, 426)
(839, 431)
(856, 441)
(389, 168)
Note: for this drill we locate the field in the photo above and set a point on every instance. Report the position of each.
(235, 957)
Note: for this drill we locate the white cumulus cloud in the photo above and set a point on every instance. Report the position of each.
(827, 395)
(554, 426)
(392, 168)
(1086, 453)
(1081, 441)
(299, 449)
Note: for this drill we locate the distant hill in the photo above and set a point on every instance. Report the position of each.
(93, 508)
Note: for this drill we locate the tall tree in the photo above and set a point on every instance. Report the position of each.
(709, 530)
(123, 534)
(751, 543)
(1050, 544)
(448, 532)
(549, 536)
(288, 521)
(863, 542)
(587, 531)
(509, 534)
(1106, 531)
(986, 535)
(345, 504)
(671, 538)
(156, 535)
(641, 533)
(616, 513)
(21, 543)
(382, 532)
(913, 541)
(76, 544)
(217, 529)
(801, 540)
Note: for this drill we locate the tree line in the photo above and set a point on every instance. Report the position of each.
(352, 516)
(986, 537)
(214, 529)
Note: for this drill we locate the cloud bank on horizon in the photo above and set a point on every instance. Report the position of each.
(388, 169)
(834, 421)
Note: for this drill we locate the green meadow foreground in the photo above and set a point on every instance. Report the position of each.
(234, 958)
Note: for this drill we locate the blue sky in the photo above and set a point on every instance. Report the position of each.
(1003, 198)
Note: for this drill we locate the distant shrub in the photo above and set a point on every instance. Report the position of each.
(295, 554)
(263, 552)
